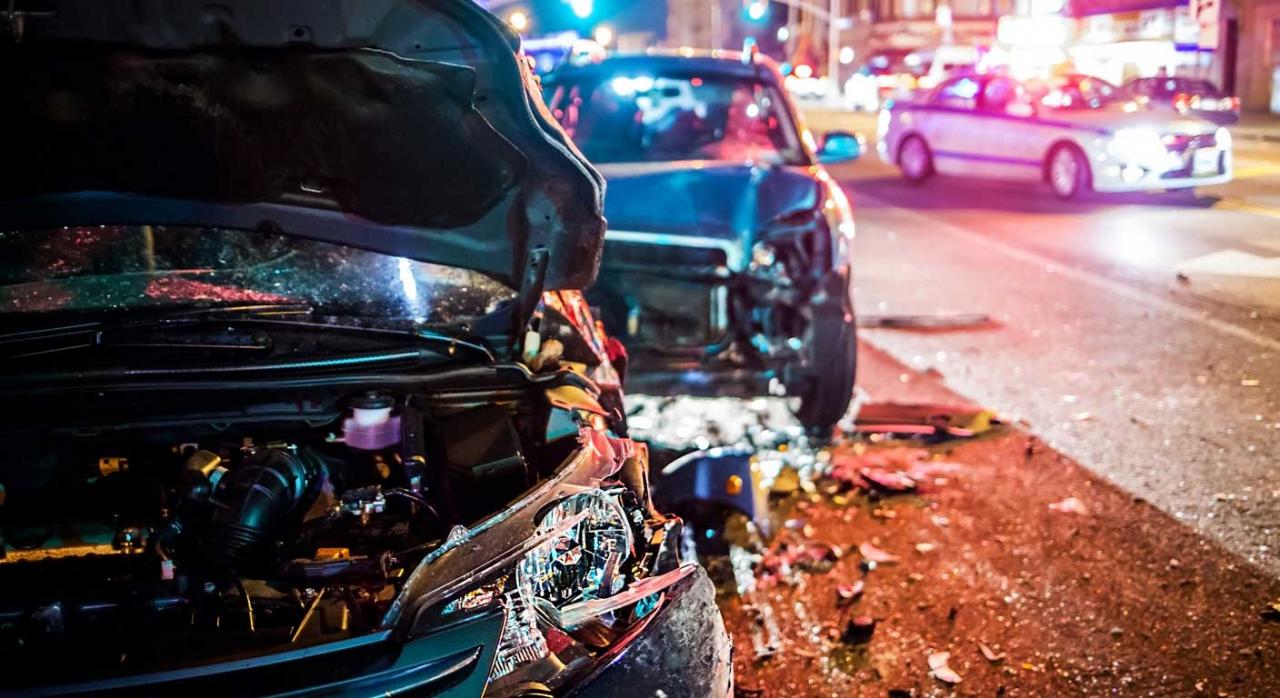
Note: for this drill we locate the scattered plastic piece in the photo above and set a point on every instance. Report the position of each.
(1070, 505)
(873, 554)
(990, 654)
(848, 593)
(939, 670)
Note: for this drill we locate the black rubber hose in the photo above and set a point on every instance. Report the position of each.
(253, 506)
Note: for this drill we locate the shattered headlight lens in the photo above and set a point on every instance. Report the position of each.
(584, 561)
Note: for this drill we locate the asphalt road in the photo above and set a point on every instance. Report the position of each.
(1138, 334)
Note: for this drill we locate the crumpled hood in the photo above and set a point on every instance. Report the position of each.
(708, 198)
(402, 127)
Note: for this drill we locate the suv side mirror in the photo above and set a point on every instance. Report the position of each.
(840, 146)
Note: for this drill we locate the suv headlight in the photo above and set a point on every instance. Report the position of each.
(1139, 146)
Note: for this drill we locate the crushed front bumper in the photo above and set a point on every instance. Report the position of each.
(682, 650)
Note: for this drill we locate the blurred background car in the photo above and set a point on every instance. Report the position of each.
(727, 253)
(1188, 96)
(1074, 132)
(884, 75)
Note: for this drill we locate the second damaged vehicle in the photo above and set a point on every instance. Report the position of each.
(728, 250)
(301, 394)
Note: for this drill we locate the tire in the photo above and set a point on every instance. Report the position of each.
(825, 387)
(1067, 172)
(915, 159)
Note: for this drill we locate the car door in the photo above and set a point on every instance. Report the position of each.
(1013, 142)
(951, 125)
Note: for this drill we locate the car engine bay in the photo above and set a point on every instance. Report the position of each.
(142, 546)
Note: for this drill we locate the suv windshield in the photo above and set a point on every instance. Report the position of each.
(134, 267)
(641, 118)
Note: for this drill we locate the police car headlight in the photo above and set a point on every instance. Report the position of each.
(1138, 145)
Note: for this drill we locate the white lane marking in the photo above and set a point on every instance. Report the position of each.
(1096, 280)
(1232, 262)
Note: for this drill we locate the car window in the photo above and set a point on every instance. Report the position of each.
(1079, 92)
(648, 118)
(959, 93)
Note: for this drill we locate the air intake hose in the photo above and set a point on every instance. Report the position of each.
(254, 505)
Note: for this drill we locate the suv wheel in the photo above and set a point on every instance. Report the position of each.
(824, 387)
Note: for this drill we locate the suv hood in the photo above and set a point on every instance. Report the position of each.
(408, 128)
(731, 200)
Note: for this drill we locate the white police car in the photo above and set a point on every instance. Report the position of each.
(1074, 132)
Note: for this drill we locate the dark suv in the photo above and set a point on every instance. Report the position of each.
(728, 248)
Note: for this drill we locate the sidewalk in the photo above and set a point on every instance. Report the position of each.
(1257, 126)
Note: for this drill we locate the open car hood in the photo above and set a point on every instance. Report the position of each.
(405, 127)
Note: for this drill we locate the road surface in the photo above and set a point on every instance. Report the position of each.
(1138, 334)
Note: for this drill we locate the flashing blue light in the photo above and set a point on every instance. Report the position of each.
(785, 68)
(756, 10)
(582, 9)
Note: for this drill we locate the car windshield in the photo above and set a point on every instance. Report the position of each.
(124, 268)
(1078, 93)
(642, 118)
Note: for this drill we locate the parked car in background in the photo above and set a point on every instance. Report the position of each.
(943, 61)
(1189, 96)
(727, 259)
(1074, 132)
(301, 393)
(884, 76)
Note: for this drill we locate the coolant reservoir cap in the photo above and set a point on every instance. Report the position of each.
(372, 401)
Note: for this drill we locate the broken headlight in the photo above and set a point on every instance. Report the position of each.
(585, 560)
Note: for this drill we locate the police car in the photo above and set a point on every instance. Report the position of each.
(1073, 132)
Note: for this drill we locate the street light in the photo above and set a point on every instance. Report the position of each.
(582, 9)
(756, 10)
(603, 35)
(518, 20)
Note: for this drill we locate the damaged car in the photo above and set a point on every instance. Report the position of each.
(301, 392)
(728, 249)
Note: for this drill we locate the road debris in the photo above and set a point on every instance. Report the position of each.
(923, 421)
(873, 554)
(848, 593)
(953, 321)
(939, 670)
(989, 654)
(1070, 505)
(859, 630)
